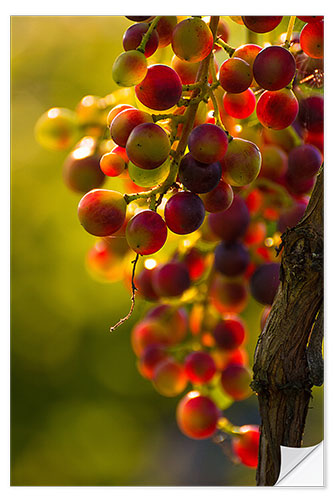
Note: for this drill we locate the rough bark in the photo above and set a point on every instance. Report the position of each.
(287, 361)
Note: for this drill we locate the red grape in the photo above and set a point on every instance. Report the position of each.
(192, 40)
(148, 146)
(264, 282)
(231, 259)
(312, 39)
(184, 212)
(274, 68)
(82, 172)
(112, 164)
(169, 378)
(146, 232)
(242, 162)
(124, 122)
(207, 143)
(171, 279)
(229, 334)
(261, 24)
(199, 367)
(235, 380)
(129, 68)
(161, 89)
(133, 37)
(235, 75)
(199, 177)
(219, 198)
(233, 222)
(277, 109)
(239, 105)
(197, 416)
(246, 445)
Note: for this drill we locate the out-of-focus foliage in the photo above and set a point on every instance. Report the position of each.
(80, 412)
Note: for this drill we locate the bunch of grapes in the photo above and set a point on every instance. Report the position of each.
(215, 160)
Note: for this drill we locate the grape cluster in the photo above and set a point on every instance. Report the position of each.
(216, 159)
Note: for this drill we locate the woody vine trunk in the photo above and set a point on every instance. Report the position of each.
(287, 360)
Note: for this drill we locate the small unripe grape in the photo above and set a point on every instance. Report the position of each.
(82, 172)
(264, 282)
(261, 24)
(277, 109)
(169, 378)
(129, 68)
(199, 177)
(235, 380)
(148, 146)
(235, 75)
(171, 279)
(312, 39)
(233, 222)
(133, 37)
(192, 40)
(115, 111)
(148, 178)
(161, 89)
(184, 212)
(197, 416)
(199, 367)
(57, 129)
(207, 143)
(229, 334)
(118, 150)
(231, 259)
(246, 445)
(112, 164)
(242, 162)
(102, 212)
(126, 121)
(146, 232)
(239, 105)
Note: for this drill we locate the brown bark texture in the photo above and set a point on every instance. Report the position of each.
(288, 356)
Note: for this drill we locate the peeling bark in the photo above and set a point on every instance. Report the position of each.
(287, 360)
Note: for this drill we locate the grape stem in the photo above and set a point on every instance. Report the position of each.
(289, 31)
(147, 35)
(229, 50)
(134, 289)
(226, 426)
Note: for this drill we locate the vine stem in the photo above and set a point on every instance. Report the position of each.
(289, 31)
(147, 35)
(189, 116)
(229, 50)
(134, 289)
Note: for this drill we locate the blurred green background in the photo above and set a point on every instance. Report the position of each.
(80, 412)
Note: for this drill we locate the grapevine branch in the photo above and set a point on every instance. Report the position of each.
(287, 360)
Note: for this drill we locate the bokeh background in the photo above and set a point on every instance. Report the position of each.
(81, 414)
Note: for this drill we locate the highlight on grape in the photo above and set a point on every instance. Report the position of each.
(217, 149)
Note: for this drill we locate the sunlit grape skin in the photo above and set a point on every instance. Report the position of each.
(246, 445)
(192, 40)
(219, 198)
(207, 143)
(197, 416)
(199, 177)
(261, 24)
(148, 332)
(235, 380)
(231, 259)
(235, 75)
(274, 68)
(148, 146)
(247, 52)
(277, 109)
(184, 212)
(133, 37)
(124, 122)
(102, 212)
(241, 163)
(264, 282)
(146, 232)
(199, 367)
(57, 129)
(187, 71)
(112, 164)
(164, 28)
(169, 378)
(233, 222)
(312, 39)
(83, 174)
(229, 334)
(239, 105)
(161, 89)
(129, 68)
(171, 279)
